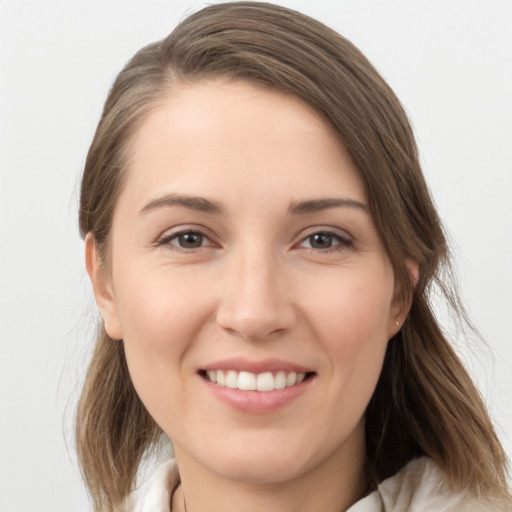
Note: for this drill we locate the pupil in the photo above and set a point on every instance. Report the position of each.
(321, 240)
(191, 240)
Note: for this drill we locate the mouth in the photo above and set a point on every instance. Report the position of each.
(248, 381)
(257, 386)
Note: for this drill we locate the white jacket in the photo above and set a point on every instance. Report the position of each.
(418, 487)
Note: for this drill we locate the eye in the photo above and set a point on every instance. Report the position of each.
(190, 240)
(186, 240)
(325, 240)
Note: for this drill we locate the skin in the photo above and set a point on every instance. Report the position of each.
(258, 286)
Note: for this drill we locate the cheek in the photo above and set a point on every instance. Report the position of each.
(160, 309)
(160, 319)
(351, 324)
(352, 312)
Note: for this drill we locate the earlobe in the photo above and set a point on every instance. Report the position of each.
(401, 310)
(102, 287)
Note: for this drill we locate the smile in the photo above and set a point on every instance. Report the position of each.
(247, 381)
(257, 387)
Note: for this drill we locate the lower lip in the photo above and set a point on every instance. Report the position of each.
(257, 402)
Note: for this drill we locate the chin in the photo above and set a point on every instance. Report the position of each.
(268, 461)
(261, 470)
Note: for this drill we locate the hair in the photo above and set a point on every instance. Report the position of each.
(425, 403)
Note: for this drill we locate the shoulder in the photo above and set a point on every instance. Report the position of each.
(155, 494)
(421, 486)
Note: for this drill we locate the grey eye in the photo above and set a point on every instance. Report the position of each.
(325, 240)
(321, 241)
(190, 240)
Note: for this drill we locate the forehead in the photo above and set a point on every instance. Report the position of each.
(245, 137)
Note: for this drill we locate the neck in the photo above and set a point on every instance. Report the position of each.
(332, 486)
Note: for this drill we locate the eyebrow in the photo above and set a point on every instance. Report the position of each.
(195, 203)
(204, 205)
(316, 205)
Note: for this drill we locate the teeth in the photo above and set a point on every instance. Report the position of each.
(231, 379)
(265, 382)
(280, 380)
(247, 381)
(291, 379)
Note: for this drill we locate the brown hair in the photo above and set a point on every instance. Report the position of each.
(425, 403)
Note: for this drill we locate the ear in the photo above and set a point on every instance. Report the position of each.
(102, 286)
(399, 310)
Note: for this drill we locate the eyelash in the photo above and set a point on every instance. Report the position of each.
(167, 240)
(342, 242)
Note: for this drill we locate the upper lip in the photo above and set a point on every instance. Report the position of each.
(265, 365)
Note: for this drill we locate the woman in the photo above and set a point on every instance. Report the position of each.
(262, 245)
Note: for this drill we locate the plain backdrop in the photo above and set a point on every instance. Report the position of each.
(450, 62)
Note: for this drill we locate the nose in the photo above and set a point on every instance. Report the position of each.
(256, 303)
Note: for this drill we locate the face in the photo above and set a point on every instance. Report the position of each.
(248, 282)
